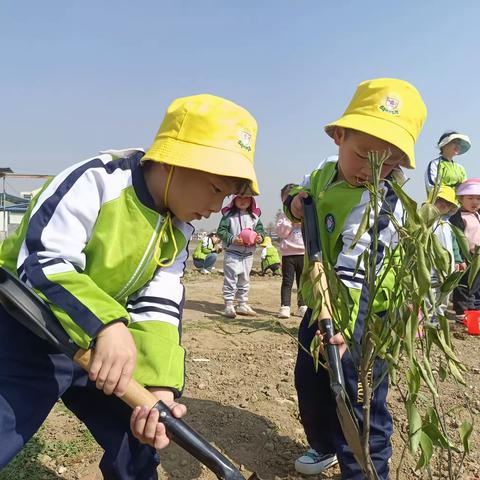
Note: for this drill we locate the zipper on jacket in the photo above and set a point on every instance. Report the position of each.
(144, 262)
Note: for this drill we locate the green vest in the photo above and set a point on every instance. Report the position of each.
(272, 257)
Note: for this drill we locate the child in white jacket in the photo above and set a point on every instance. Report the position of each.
(240, 230)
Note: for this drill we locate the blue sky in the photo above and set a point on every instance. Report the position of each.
(81, 76)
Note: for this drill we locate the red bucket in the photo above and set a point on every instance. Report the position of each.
(472, 321)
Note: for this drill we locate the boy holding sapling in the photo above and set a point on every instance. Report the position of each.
(384, 116)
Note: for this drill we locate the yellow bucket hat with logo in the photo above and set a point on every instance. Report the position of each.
(389, 109)
(207, 133)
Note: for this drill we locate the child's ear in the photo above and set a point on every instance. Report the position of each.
(339, 135)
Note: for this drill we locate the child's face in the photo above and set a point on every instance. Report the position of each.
(470, 203)
(444, 207)
(451, 149)
(192, 194)
(353, 149)
(243, 202)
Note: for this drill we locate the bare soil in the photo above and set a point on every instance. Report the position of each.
(240, 395)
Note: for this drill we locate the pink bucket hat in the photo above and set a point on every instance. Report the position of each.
(469, 187)
(256, 212)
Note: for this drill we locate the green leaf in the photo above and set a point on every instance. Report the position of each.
(414, 426)
(315, 351)
(451, 282)
(466, 429)
(442, 373)
(456, 372)
(473, 269)
(413, 378)
(424, 270)
(409, 204)
(462, 242)
(363, 227)
(428, 214)
(426, 447)
(442, 262)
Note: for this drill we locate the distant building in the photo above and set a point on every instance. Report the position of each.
(12, 209)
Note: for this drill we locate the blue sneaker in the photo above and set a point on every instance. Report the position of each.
(313, 463)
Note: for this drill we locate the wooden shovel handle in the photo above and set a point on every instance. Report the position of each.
(135, 396)
(320, 287)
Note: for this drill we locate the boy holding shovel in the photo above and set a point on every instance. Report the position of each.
(385, 115)
(105, 244)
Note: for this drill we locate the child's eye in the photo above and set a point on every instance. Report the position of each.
(360, 156)
(216, 189)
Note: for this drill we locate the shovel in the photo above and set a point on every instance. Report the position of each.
(31, 311)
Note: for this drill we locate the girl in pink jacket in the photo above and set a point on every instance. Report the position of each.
(292, 251)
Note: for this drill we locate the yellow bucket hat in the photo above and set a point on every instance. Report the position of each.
(266, 241)
(207, 133)
(389, 109)
(445, 192)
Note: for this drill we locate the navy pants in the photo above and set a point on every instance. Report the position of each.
(33, 375)
(466, 298)
(318, 410)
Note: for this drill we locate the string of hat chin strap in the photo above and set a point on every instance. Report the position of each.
(166, 232)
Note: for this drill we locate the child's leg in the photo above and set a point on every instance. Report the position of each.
(210, 260)
(462, 298)
(315, 402)
(243, 285)
(108, 419)
(199, 264)
(288, 274)
(231, 265)
(275, 268)
(298, 274)
(32, 377)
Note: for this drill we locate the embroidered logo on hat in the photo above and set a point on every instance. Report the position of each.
(391, 104)
(244, 139)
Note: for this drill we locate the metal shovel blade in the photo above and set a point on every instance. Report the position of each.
(350, 430)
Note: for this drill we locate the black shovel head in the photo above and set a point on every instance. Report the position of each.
(350, 429)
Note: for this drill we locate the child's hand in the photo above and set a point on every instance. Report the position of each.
(258, 238)
(113, 359)
(460, 267)
(237, 240)
(296, 207)
(144, 421)
(337, 339)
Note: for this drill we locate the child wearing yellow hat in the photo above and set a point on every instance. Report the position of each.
(444, 169)
(105, 244)
(446, 204)
(270, 257)
(384, 115)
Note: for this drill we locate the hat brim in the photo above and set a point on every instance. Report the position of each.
(468, 190)
(380, 128)
(464, 142)
(207, 159)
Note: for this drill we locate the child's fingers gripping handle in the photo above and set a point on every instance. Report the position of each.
(135, 396)
(325, 323)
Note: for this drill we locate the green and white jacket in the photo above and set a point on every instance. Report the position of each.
(340, 209)
(86, 245)
(448, 172)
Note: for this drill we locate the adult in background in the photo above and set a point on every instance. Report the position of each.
(444, 169)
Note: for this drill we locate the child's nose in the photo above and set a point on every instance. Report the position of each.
(216, 205)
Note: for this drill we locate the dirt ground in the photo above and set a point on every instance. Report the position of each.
(240, 395)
